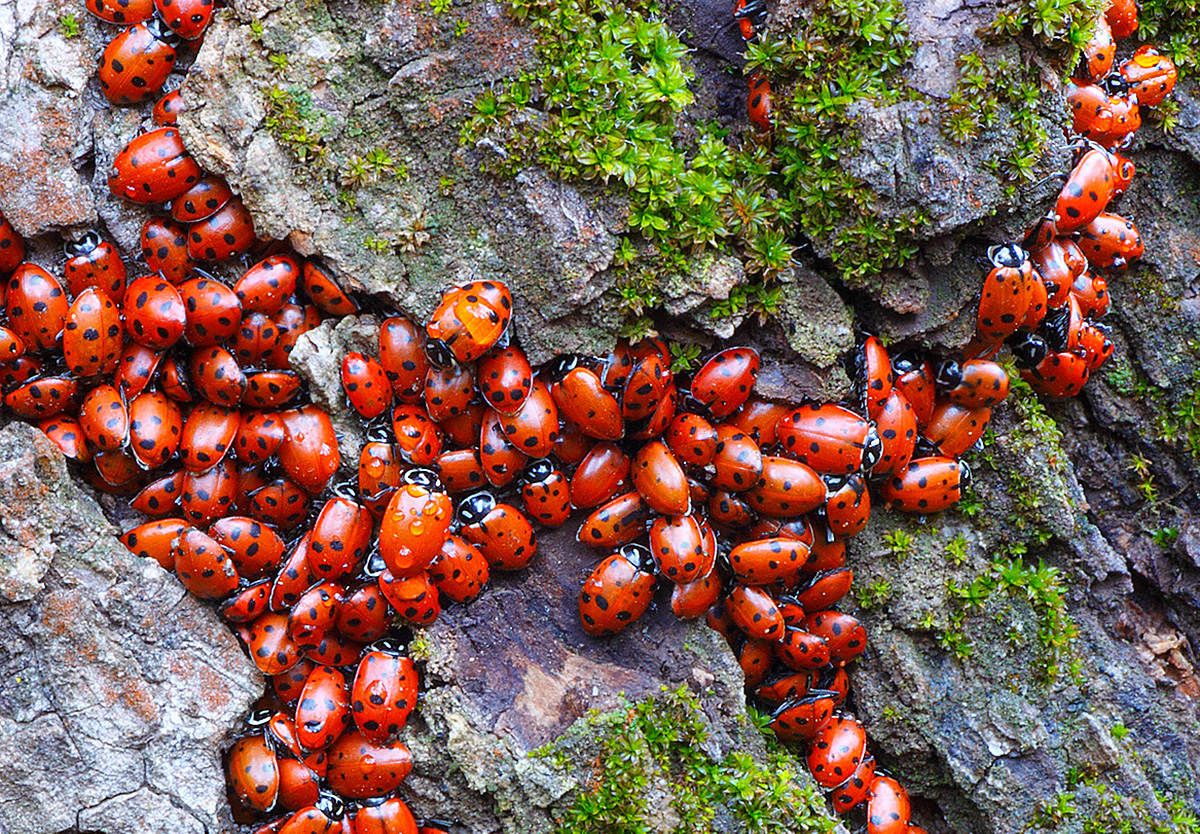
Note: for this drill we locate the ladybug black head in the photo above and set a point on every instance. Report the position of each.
(435, 825)
(1028, 349)
(1115, 84)
(380, 430)
(423, 478)
(439, 353)
(872, 449)
(84, 246)
(639, 556)
(903, 363)
(387, 645)
(964, 475)
(949, 374)
(331, 805)
(347, 490)
(157, 27)
(475, 507)
(560, 366)
(374, 564)
(539, 471)
(259, 717)
(1008, 254)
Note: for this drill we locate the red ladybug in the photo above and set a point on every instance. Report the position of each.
(217, 377)
(414, 597)
(533, 429)
(323, 712)
(737, 459)
(660, 480)
(37, 307)
(926, 485)
(166, 109)
(896, 424)
(164, 248)
(691, 600)
(1110, 241)
(1059, 375)
(402, 355)
(359, 769)
(678, 548)
(68, 436)
(264, 287)
(227, 233)
(845, 635)
(1058, 263)
(751, 16)
(802, 718)
(888, 807)
(104, 418)
(203, 566)
(213, 311)
(848, 508)
(505, 379)
(953, 429)
(1126, 119)
(646, 387)
(617, 592)
(1089, 189)
(280, 502)
(501, 532)
(92, 335)
(323, 291)
(1091, 109)
(155, 315)
(1122, 17)
(384, 693)
(758, 102)
(1151, 75)
(366, 384)
(546, 494)
(786, 488)
(209, 495)
(460, 570)
(830, 439)
(114, 11)
(135, 64)
(418, 438)
(449, 391)
(94, 262)
(202, 200)
(271, 649)
(755, 613)
(257, 550)
(1099, 51)
(309, 452)
(255, 339)
(725, 381)
(460, 471)
(391, 817)
(600, 476)
(769, 560)
(415, 525)
(12, 248)
(155, 428)
(254, 773)
(977, 383)
(1096, 346)
(469, 320)
(582, 399)
(41, 397)
(364, 614)
(339, 538)
(1006, 293)
(187, 18)
(501, 461)
(837, 751)
(854, 791)
(692, 439)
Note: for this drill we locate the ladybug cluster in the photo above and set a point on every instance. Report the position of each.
(174, 388)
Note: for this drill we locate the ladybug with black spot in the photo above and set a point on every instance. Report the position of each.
(618, 591)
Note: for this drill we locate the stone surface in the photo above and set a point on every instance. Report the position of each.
(116, 686)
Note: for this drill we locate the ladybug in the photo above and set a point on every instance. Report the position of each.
(209, 495)
(888, 807)
(546, 493)
(415, 525)
(202, 200)
(12, 249)
(155, 540)
(309, 452)
(737, 460)
(469, 320)
(460, 471)
(953, 429)
(802, 718)
(896, 424)
(533, 429)
(319, 818)
(801, 651)
(299, 787)
(366, 384)
(755, 659)
(926, 485)
(915, 380)
(164, 248)
(116, 11)
(836, 752)
(214, 312)
(271, 649)
(769, 560)
(1151, 75)
(166, 109)
(830, 439)
(271, 389)
(281, 503)
(725, 381)
(677, 547)
(1126, 119)
(751, 16)
(786, 488)
(264, 287)
(402, 355)
(41, 397)
(758, 418)
(292, 580)
(92, 335)
(1096, 346)
(691, 600)
(254, 773)
(854, 791)
(730, 510)
(391, 817)
(755, 613)
(1110, 241)
(758, 102)
(227, 233)
(379, 473)
(660, 418)
(68, 436)
(1006, 293)
(1091, 109)
(617, 592)
(660, 480)
(324, 292)
(505, 379)
(155, 315)
(582, 399)
(600, 476)
(460, 570)
(418, 438)
(155, 428)
(94, 262)
(1099, 51)
(135, 64)
(874, 374)
(1122, 17)
(364, 615)
(359, 769)
(256, 549)
(384, 692)
(1089, 189)
(501, 460)
(844, 634)
(208, 434)
(1090, 293)
(977, 383)
(1059, 375)
(646, 387)
(217, 376)
(825, 589)
(187, 18)
(248, 604)
(254, 339)
(692, 439)
(848, 508)
(415, 597)
(339, 538)
(323, 712)
(258, 437)
(104, 418)
(501, 532)
(449, 391)
(37, 307)
(203, 566)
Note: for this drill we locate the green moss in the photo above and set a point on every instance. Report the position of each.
(68, 26)
(1055, 23)
(292, 119)
(1174, 27)
(1103, 809)
(658, 742)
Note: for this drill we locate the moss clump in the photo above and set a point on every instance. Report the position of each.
(1055, 23)
(1174, 27)
(1092, 805)
(658, 742)
(292, 119)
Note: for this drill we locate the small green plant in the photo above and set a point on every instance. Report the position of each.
(445, 186)
(377, 245)
(1164, 536)
(1118, 731)
(956, 549)
(68, 26)
(1053, 812)
(291, 119)
(874, 595)
(279, 61)
(460, 28)
(684, 356)
(440, 6)
(899, 543)
(256, 29)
